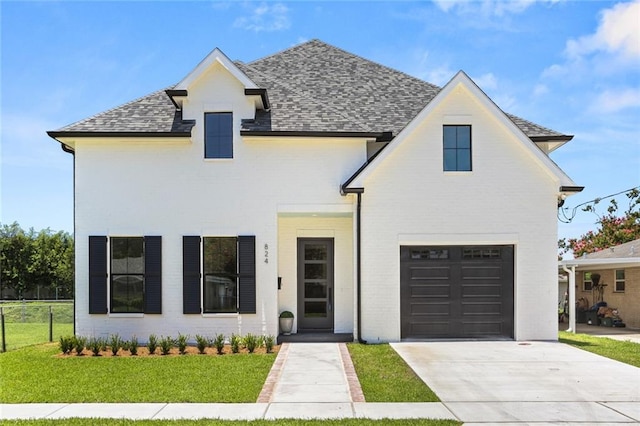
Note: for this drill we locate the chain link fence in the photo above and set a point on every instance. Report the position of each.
(27, 323)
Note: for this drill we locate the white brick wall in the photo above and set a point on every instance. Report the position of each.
(133, 187)
(506, 199)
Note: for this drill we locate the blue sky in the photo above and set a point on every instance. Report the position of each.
(573, 66)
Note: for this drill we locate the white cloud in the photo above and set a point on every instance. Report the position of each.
(618, 33)
(487, 8)
(265, 17)
(611, 101)
(540, 90)
(487, 81)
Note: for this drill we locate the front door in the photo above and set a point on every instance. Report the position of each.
(315, 284)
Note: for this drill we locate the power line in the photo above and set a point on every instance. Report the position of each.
(568, 218)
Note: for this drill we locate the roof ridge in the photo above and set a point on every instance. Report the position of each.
(75, 123)
(270, 76)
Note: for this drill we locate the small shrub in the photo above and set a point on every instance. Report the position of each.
(201, 343)
(103, 345)
(132, 345)
(218, 342)
(166, 343)
(115, 342)
(78, 344)
(66, 344)
(236, 341)
(152, 344)
(269, 342)
(182, 343)
(94, 344)
(251, 342)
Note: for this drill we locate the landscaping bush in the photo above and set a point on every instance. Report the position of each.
(250, 342)
(115, 342)
(201, 344)
(236, 341)
(152, 343)
(132, 345)
(218, 342)
(182, 343)
(166, 344)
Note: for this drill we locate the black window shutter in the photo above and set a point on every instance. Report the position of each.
(153, 275)
(247, 274)
(191, 275)
(97, 274)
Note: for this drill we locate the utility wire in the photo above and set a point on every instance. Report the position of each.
(574, 211)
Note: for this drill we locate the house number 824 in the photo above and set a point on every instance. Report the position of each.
(266, 253)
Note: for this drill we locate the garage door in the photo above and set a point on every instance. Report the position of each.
(456, 292)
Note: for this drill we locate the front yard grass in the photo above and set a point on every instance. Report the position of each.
(627, 352)
(213, 422)
(36, 374)
(385, 377)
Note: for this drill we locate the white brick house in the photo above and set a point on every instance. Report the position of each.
(369, 203)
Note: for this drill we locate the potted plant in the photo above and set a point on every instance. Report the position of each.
(286, 322)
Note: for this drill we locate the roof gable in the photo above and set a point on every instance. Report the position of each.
(216, 56)
(356, 182)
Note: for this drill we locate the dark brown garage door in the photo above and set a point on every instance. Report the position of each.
(456, 292)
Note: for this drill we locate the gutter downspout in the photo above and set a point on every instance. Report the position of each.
(359, 268)
(572, 297)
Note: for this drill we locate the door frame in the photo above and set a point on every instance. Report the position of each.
(315, 325)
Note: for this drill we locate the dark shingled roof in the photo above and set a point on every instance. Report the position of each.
(312, 87)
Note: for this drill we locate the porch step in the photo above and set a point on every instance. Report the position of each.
(316, 338)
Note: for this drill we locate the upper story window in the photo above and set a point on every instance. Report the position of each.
(619, 285)
(218, 135)
(456, 142)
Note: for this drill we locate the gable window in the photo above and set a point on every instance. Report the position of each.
(456, 142)
(587, 284)
(219, 275)
(218, 135)
(619, 284)
(125, 275)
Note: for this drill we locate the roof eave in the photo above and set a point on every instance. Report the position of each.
(88, 134)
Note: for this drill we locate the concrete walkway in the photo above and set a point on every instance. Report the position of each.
(511, 383)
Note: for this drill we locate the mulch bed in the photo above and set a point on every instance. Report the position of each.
(191, 350)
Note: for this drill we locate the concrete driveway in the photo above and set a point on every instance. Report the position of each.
(526, 382)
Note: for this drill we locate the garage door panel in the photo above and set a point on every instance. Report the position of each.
(456, 291)
(476, 272)
(430, 309)
(430, 290)
(481, 290)
(482, 309)
(430, 273)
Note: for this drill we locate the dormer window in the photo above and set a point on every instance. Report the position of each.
(218, 135)
(457, 148)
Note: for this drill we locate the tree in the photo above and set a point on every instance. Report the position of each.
(614, 229)
(29, 260)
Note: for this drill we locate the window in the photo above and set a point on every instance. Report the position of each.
(127, 274)
(218, 135)
(587, 284)
(218, 275)
(619, 284)
(481, 253)
(220, 265)
(133, 281)
(456, 143)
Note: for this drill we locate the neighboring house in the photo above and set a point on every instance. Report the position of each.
(619, 269)
(364, 200)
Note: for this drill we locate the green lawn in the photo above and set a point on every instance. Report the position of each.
(37, 374)
(627, 352)
(19, 334)
(211, 422)
(385, 377)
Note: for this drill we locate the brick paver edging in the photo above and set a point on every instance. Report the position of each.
(352, 378)
(274, 374)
